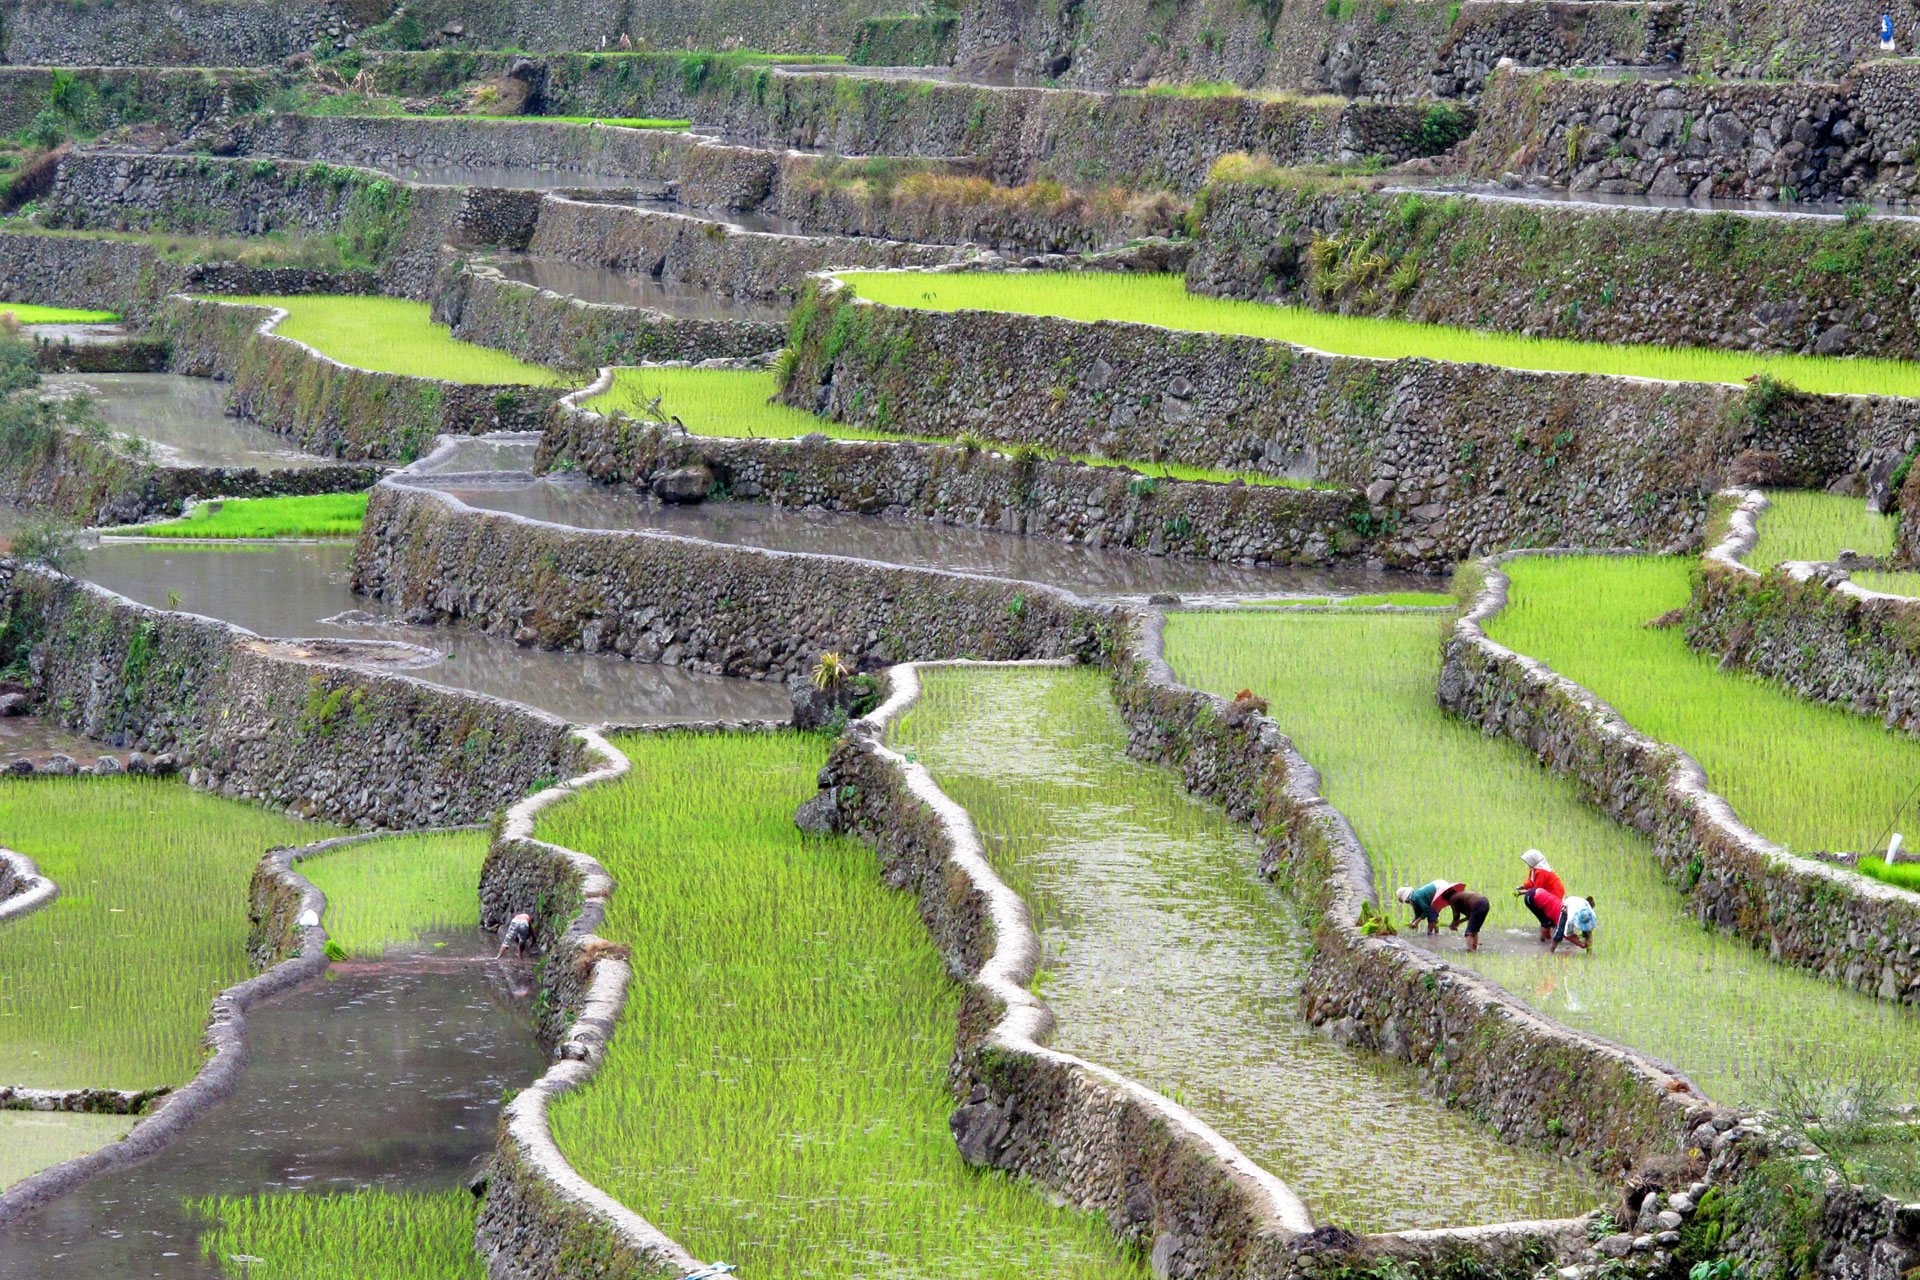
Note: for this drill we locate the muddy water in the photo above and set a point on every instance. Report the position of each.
(184, 420)
(496, 451)
(292, 589)
(1167, 958)
(631, 289)
(1088, 571)
(738, 219)
(35, 738)
(385, 1075)
(515, 178)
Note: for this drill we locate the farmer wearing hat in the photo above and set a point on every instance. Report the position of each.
(1427, 900)
(1543, 892)
(1576, 924)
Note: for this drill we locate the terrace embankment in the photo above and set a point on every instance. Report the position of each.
(1807, 627)
(251, 720)
(75, 476)
(206, 99)
(1849, 929)
(921, 201)
(1015, 135)
(1669, 277)
(328, 407)
(133, 277)
(482, 306)
(725, 609)
(1454, 457)
(395, 227)
(1806, 141)
(224, 33)
(953, 484)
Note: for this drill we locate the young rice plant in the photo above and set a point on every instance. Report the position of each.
(368, 1235)
(327, 515)
(394, 892)
(393, 335)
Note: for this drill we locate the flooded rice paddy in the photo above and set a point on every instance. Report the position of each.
(183, 419)
(1167, 958)
(301, 590)
(1430, 796)
(1094, 572)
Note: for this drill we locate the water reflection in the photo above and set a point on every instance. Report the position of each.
(184, 419)
(294, 589)
(384, 1075)
(1094, 572)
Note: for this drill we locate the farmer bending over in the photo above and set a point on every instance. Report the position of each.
(1473, 908)
(1427, 900)
(1576, 924)
(517, 934)
(1544, 882)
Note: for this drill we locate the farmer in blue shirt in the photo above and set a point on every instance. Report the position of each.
(1576, 924)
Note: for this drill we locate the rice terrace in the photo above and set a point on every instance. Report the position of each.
(1159, 639)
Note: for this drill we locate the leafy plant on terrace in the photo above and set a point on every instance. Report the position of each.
(1162, 300)
(1430, 795)
(776, 1094)
(739, 403)
(327, 515)
(369, 1235)
(1810, 776)
(395, 891)
(109, 985)
(393, 335)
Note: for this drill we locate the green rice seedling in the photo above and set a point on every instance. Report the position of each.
(396, 891)
(368, 1235)
(110, 985)
(34, 1140)
(1802, 525)
(327, 515)
(1167, 958)
(1430, 796)
(22, 313)
(776, 1093)
(393, 335)
(1406, 599)
(1163, 300)
(1810, 776)
(739, 403)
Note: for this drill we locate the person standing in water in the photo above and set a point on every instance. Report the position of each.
(1543, 893)
(517, 934)
(1473, 908)
(1426, 901)
(1576, 924)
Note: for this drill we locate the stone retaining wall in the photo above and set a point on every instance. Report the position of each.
(91, 482)
(203, 33)
(399, 226)
(1455, 458)
(183, 100)
(252, 720)
(1806, 626)
(1857, 137)
(659, 598)
(543, 327)
(981, 488)
(132, 277)
(23, 890)
(1851, 930)
(1012, 136)
(1665, 277)
(328, 407)
(678, 249)
(916, 201)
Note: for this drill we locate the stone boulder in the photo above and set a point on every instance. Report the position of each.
(684, 484)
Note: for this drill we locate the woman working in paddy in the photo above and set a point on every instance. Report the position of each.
(1428, 899)
(1562, 917)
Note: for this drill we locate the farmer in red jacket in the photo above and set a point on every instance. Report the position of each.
(1543, 892)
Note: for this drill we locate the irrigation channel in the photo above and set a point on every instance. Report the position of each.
(1430, 796)
(368, 1099)
(1169, 959)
